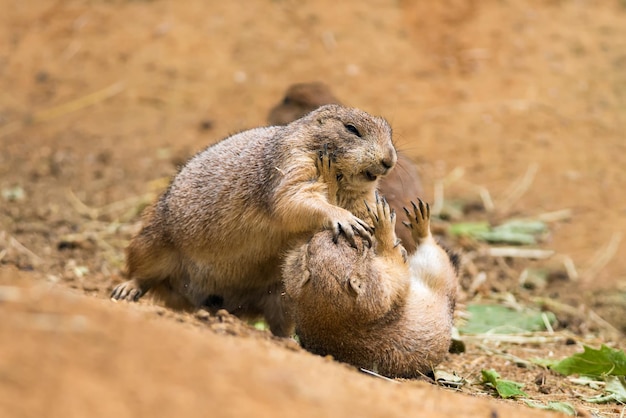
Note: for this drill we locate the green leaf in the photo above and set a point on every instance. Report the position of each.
(592, 362)
(468, 228)
(563, 407)
(522, 226)
(505, 388)
(507, 237)
(616, 386)
(515, 231)
(497, 319)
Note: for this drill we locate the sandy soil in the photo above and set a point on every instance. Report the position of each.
(101, 101)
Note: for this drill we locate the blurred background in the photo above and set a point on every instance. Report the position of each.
(103, 97)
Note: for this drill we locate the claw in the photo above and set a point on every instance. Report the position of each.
(367, 238)
(371, 213)
(350, 237)
(365, 225)
(385, 207)
(336, 232)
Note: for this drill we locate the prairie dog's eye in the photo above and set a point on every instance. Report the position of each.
(351, 128)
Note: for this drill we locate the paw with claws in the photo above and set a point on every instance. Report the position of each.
(130, 291)
(328, 174)
(384, 221)
(351, 226)
(344, 222)
(419, 221)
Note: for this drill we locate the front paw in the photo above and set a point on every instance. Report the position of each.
(383, 217)
(351, 226)
(325, 165)
(384, 220)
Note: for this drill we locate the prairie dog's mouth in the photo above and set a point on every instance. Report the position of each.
(369, 175)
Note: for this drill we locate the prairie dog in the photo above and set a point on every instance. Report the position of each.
(217, 236)
(399, 187)
(373, 307)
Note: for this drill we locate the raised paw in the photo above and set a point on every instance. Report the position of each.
(129, 291)
(384, 221)
(383, 217)
(327, 172)
(419, 220)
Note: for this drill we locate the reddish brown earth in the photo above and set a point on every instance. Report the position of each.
(100, 101)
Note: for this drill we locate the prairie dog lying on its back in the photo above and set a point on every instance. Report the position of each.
(374, 307)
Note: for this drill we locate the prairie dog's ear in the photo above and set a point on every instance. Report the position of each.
(355, 286)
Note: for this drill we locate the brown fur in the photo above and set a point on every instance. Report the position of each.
(220, 231)
(399, 187)
(372, 306)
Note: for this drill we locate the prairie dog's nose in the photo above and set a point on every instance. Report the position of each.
(389, 160)
(387, 163)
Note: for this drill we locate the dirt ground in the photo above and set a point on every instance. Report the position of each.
(517, 103)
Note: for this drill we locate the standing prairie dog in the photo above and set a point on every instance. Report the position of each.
(399, 187)
(217, 236)
(371, 306)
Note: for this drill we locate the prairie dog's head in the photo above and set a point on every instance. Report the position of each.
(331, 283)
(361, 143)
(300, 99)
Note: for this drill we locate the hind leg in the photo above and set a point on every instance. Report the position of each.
(148, 264)
(431, 263)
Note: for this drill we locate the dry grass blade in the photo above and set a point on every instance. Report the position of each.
(603, 256)
(584, 315)
(8, 241)
(570, 268)
(439, 187)
(126, 209)
(80, 207)
(371, 373)
(438, 198)
(63, 109)
(519, 252)
(555, 216)
(531, 338)
(519, 188)
(515, 359)
(485, 196)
